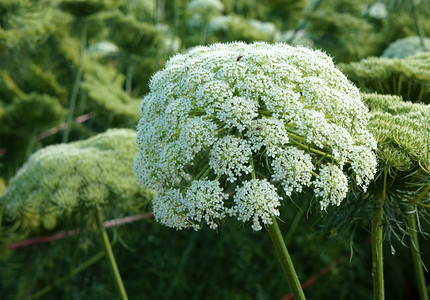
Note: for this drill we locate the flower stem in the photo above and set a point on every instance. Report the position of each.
(129, 78)
(377, 262)
(284, 257)
(305, 147)
(295, 222)
(377, 243)
(76, 86)
(415, 252)
(75, 271)
(109, 254)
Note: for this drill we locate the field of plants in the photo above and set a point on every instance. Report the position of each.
(214, 149)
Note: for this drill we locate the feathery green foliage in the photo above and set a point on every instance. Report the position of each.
(399, 195)
(402, 188)
(40, 44)
(22, 120)
(236, 28)
(8, 88)
(39, 56)
(30, 113)
(407, 77)
(407, 18)
(112, 105)
(83, 8)
(339, 28)
(402, 130)
(131, 35)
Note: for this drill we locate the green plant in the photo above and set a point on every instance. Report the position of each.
(401, 191)
(21, 121)
(234, 129)
(336, 27)
(79, 181)
(407, 77)
(201, 12)
(398, 198)
(236, 28)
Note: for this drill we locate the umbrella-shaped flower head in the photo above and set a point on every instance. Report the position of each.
(74, 178)
(232, 129)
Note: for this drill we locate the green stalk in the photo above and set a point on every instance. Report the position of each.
(415, 252)
(310, 149)
(377, 243)
(75, 271)
(381, 88)
(180, 268)
(129, 78)
(31, 144)
(27, 281)
(377, 262)
(284, 257)
(399, 86)
(409, 90)
(282, 252)
(76, 85)
(394, 82)
(175, 18)
(109, 254)
(420, 95)
(295, 222)
(418, 26)
(203, 31)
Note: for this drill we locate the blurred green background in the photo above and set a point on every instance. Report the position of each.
(85, 66)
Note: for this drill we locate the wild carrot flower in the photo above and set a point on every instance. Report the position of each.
(68, 179)
(231, 129)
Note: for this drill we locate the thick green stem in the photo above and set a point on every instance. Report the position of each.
(377, 255)
(175, 18)
(415, 252)
(129, 78)
(109, 255)
(418, 25)
(284, 257)
(75, 271)
(377, 242)
(203, 31)
(76, 85)
(31, 144)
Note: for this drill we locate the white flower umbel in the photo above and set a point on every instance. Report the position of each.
(293, 167)
(168, 209)
(205, 200)
(220, 119)
(256, 200)
(270, 133)
(331, 185)
(230, 157)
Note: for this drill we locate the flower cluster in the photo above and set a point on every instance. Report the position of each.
(71, 178)
(407, 77)
(256, 199)
(230, 129)
(402, 130)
